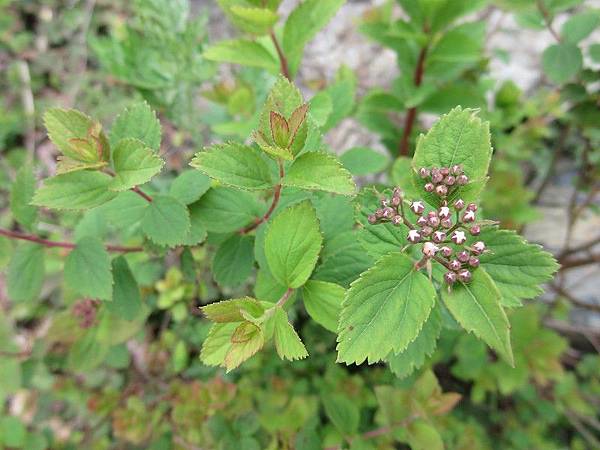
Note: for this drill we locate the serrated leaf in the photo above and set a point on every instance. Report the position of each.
(25, 273)
(234, 260)
(252, 20)
(224, 210)
(166, 221)
(280, 130)
(517, 267)
(406, 362)
(476, 306)
(384, 310)
(253, 341)
(134, 164)
(292, 244)
(125, 210)
(343, 412)
(303, 24)
(21, 194)
(189, 186)
(422, 435)
(363, 161)
(234, 164)
(287, 342)
(561, 62)
(243, 52)
(382, 239)
(76, 135)
(271, 150)
(319, 171)
(75, 190)
(323, 302)
(88, 269)
(126, 299)
(197, 232)
(459, 137)
(217, 343)
(140, 122)
(233, 310)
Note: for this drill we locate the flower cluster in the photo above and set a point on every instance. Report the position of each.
(443, 180)
(85, 310)
(442, 232)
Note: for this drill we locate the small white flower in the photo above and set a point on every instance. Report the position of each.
(469, 216)
(414, 236)
(458, 237)
(417, 207)
(430, 249)
(444, 212)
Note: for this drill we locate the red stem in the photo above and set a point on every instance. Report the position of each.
(47, 243)
(411, 114)
(285, 70)
(142, 194)
(274, 202)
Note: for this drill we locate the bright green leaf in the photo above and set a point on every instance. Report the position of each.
(243, 52)
(140, 122)
(287, 342)
(323, 302)
(189, 186)
(88, 270)
(580, 26)
(21, 194)
(224, 210)
(561, 62)
(134, 164)
(126, 299)
(166, 221)
(363, 161)
(319, 171)
(75, 190)
(234, 261)
(25, 274)
(233, 310)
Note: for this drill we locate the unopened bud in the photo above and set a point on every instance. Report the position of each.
(468, 216)
(479, 247)
(450, 277)
(454, 264)
(472, 207)
(444, 171)
(446, 251)
(372, 219)
(458, 237)
(436, 177)
(464, 276)
(379, 213)
(446, 223)
(463, 256)
(396, 201)
(388, 213)
(429, 187)
(422, 221)
(449, 180)
(434, 221)
(397, 220)
(426, 231)
(475, 230)
(414, 236)
(429, 249)
(441, 190)
(462, 179)
(423, 172)
(385, 202)
(439, 236)
(397, 192)
(444, 212)
(456, 169)
(459, 204)
(473, 261)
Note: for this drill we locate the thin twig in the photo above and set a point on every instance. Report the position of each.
(284, 298)
(283, 63)
(61, 244)
(142, 194)
(548, 20)
(274, 202)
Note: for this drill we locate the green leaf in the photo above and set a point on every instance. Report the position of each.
(224, 210)
(287, 342)
(343, 413)
(561, 62)
(594, 52)
(384, 310)
(197, 232)
(166, 221)
(88, 269)
(234, 261)
(476, 306)
(319, 171)
(422, 435)
(134, 164)
(125, 210)
(459, 137)
(579, 26)
(247, 339)
(25, 273)
(292, 244)
(303, 24)
(140, 122)
(234, 164)
(217, 343)
(126, 299)
(517, 267)
(21, 194)
(323, 302)
(189, 186)
(252, 20)
(88, 352)
(382, 239)
(76, 135)
(75, 190)
(363, 161)
(406, 362)
(243, 52)
(233, 310)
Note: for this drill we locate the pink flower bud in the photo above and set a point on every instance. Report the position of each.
(397, 220)
(434, 221)
(449, 180)
(463, 256)
(397, 192)
(429, 249)
(479, 247)
(385, 202)
(475, 230)
(462, 179)
(471, 207)
(454, 264)
(388, 213)
(417, 207)
(423, 172)
(444, 171)
(429, 187)
(459, 204)
(396, 201)
(458, 237)
(422, 221)
(441, 190)
(439, 236)
(446, 223)
(450, 277)
(446, 251)
(414, 236)
(468, 216)
(464, 276)
(379, 213)
(372, 219)
(436, 177)
(444, 212)
(456, 169)
(426, 231)
(473, 261)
